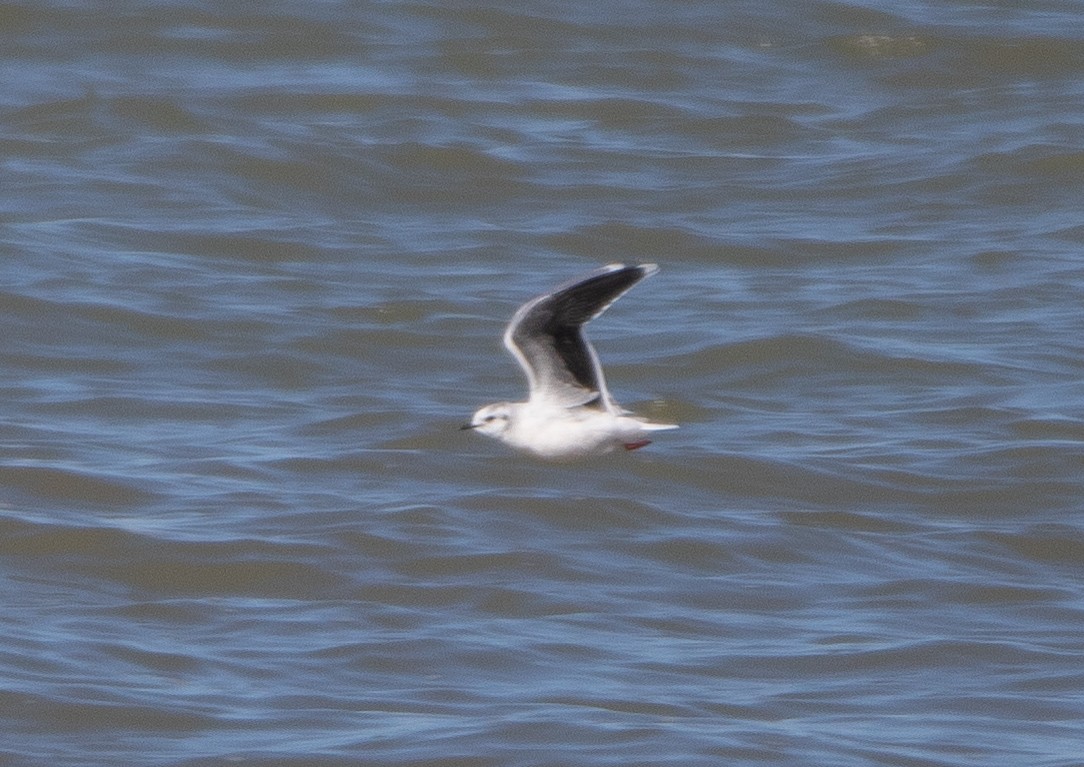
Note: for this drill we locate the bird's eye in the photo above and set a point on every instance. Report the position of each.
(489, 418)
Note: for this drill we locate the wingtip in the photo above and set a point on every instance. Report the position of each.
(645, 269)
(614, 266)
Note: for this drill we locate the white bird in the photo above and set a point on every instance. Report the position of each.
(569, 412)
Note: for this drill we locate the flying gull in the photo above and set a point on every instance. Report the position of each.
(569, 412)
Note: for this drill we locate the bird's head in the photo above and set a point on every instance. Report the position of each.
(491, 420)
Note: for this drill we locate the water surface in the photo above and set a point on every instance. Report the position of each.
(256, 260)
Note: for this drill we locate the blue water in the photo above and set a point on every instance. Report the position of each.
(255, 262)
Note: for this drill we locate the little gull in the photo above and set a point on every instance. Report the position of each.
(569, 412)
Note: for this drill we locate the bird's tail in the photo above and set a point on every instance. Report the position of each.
(648, 426)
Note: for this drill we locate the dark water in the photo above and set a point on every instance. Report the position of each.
(255, 259)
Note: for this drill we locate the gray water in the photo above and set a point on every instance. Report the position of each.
(255, 261)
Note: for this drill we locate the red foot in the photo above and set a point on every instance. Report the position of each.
(637, 445)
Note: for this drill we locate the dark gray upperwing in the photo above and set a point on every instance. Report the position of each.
(546, 336)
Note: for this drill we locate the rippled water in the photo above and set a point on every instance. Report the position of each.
(256, 259)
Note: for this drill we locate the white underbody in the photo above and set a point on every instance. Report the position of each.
(555, 433)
